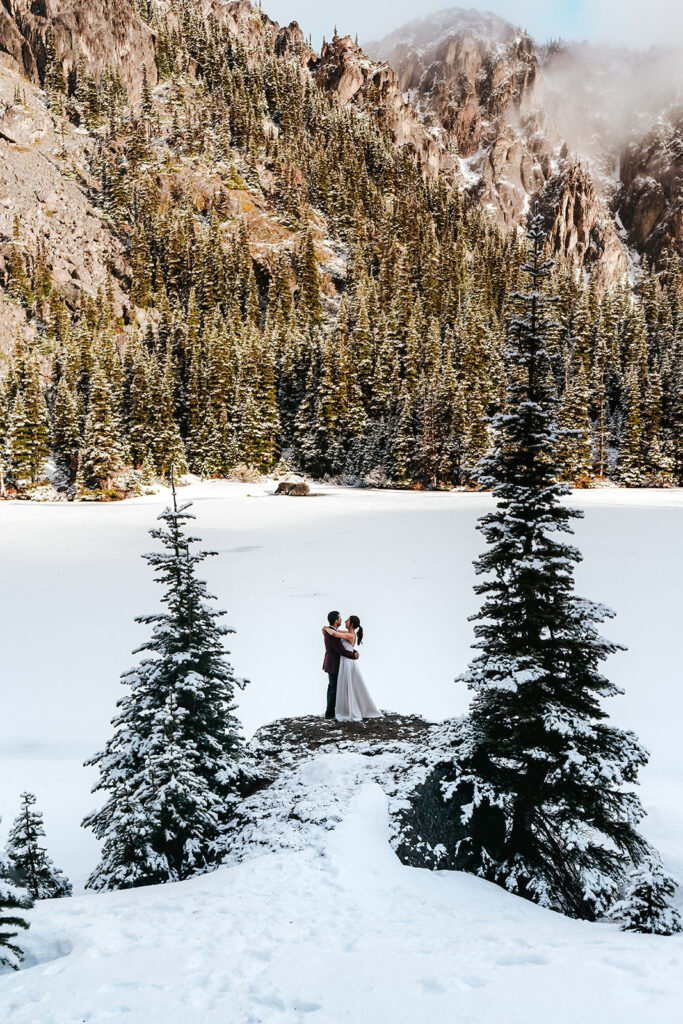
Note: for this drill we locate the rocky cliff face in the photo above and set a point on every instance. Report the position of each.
(522, 118)
(45, 186)
(464, 72)
(344, 70)
(109, 33)
(112, 34)
(579, 223)
(649, 201)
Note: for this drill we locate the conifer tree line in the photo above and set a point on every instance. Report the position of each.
(387, 369)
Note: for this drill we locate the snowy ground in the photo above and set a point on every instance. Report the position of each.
(340, 932)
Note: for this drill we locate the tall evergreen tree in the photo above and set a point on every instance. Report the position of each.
(28, 859)
(174, 767)
(574, 441)
(629, 466)
(14, 902)
(310, 303)
(28, 441)
(168, 445)
(655, 461)
(65, 430)
(55, 81)
(551, 816)
(102, 454)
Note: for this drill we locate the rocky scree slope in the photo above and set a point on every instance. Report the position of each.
(46, 189)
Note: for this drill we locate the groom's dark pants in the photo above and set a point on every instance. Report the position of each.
(331, 694)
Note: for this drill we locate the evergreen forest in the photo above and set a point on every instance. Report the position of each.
(365, 344)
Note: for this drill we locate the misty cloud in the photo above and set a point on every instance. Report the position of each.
(632, 23)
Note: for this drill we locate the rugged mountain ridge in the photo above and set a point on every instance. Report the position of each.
(115, 37)
(345, 71)
(463, 72)
(469, 94)
(541, 126)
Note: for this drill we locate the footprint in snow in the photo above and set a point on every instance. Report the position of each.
(432, 985)
(513, 960)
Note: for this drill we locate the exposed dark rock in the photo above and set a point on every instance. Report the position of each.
(298, 792)
(297, 490)
(650, 201)
(578, 224)
(291, 739)
(430, 829)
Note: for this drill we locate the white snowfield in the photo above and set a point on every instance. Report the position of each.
(337, 931)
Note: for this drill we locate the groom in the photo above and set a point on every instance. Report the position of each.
(334, 650)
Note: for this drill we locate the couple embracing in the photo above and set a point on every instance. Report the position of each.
(348, 699)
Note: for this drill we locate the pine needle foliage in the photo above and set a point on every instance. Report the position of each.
(646, 906)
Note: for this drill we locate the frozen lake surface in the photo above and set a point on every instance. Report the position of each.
(72, 583)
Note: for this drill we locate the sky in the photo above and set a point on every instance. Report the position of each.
(635, 23)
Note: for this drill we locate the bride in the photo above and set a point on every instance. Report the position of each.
(354, 703)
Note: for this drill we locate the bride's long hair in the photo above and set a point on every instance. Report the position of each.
(355, 622)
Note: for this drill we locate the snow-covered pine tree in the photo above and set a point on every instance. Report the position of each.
(402, 448)
(141, 267)
(310, 302)
(55, 81)
(167, 445)
(173, 770)
(657, 465)
(28, 859)
(574, 440)
(14, 902)
(551, 815)
(629, 457)
(65, 431)
(28, 437)
(102, 454)
(646, 905)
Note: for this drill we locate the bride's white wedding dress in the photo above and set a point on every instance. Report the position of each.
(354, 703)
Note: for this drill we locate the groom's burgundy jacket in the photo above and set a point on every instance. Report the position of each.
(334, 650)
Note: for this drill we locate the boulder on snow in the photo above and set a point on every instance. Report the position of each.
(296, 490)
